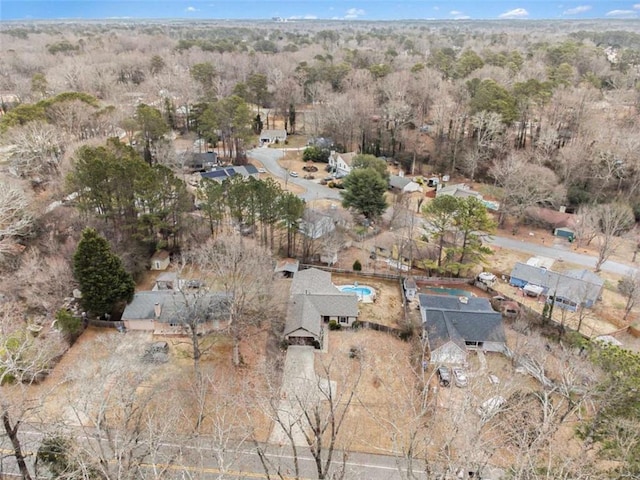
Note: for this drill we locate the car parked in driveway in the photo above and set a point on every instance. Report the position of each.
(460, 378)
(445, 376)
(293, 174)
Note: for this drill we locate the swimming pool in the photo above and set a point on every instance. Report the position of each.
(365, 294)
(449, 291)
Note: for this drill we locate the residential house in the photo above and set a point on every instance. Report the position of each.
(160, 260)
(324, 143)
(200, 161)
(171, 312)
(571, 289)
(455, 325)
(459, 190)
(314, 301)
(272, 136)
(219, 174)
(549, 218)
(401, 184)
(340, 163)
(315, 224)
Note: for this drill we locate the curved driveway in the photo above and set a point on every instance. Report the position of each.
(313, 191)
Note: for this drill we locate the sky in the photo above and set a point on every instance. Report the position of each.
(318, 9)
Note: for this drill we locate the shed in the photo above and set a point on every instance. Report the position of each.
(160, 260)
(565, 233)
(410, 288)
(287, 266)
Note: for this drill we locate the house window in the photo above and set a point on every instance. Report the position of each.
(343, 319)
(474, 344)
(326, 319)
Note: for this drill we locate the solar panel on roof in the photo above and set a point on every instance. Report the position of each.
(214, 174)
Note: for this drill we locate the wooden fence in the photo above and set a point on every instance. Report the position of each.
(106, 324)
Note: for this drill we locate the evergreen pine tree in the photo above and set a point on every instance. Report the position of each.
(103, 280)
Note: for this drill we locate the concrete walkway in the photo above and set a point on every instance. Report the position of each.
(301, 389)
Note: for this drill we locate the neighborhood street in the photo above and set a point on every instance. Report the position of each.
(269, 158)
(556, 252)
(185, 459)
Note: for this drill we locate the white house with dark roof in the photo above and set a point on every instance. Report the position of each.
(340, 163)
(454, 325)
(314, 301)
(571, 289)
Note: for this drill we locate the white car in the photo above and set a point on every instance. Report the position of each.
(262, 170)
(460, 378)
(293, 174)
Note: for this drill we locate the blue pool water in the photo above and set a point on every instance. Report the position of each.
(449, 291)
(361, 291)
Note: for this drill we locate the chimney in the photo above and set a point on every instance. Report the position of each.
(157, 309)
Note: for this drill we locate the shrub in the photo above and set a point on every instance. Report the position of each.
(315, 154)
(357, 266)
(68, 324)
(334, 325)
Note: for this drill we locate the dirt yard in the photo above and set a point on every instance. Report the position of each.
(387, 308)
(104, 359)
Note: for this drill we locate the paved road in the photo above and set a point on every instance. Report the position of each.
(184, 459)
(313, 191)
(557, 252)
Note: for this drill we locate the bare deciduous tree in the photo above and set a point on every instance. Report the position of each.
(312, 416)
(613, 220)
(37, 149)
(15, 220)
(523, 185)
(244, 273)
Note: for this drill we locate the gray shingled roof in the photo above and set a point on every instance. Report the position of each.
(302, 314)
(312, 280)
(577, 285)
(142, 306)
(447, 319)
(398, 182)
(313, 296)
(175, 306)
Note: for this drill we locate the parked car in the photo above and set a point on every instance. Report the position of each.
(445, 376)
(293, 174)
(460, 378)
(262, 170)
